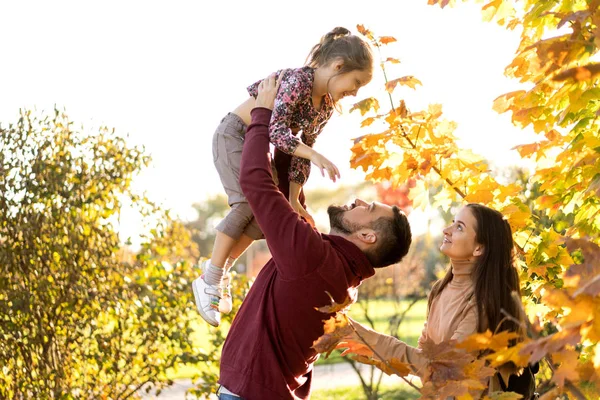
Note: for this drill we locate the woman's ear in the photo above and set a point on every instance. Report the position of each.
(479, 248)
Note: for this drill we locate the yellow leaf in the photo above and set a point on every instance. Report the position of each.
(409, 81)
(366, 105)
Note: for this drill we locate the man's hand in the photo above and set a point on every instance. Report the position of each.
(267, 91)
(325, 166)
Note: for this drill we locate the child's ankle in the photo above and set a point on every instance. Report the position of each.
(213, 275)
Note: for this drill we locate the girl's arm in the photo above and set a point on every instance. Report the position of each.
(294, 88)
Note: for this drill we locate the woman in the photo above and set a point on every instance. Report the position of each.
(474, 296)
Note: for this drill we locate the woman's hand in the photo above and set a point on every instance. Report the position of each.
(325, 166)
(267, 91)
(302, 211)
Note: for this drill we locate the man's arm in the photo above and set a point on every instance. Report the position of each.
(295, 246)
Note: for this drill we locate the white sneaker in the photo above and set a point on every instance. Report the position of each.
(225, 304)
(207, 300)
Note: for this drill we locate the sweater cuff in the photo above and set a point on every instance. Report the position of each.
(260, 115)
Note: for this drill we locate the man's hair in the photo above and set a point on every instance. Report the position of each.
(393, 239)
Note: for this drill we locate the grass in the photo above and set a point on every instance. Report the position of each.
(379, 311)
(356, 393)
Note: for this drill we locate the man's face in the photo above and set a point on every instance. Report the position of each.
(350, 218)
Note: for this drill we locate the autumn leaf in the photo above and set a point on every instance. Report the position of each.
(335, 307)
(334, 329)
(567, 370)
(409, 81)
(579, 74)
(486, 340)
(392, 60)
(391, 367)
(536, 349)
(591, 255)
(366, 105)
(387, 39)
(506, 101)
(365, 32)
(513, 354)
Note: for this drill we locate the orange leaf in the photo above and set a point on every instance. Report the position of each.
(334, 329)
(364, 31)
(392, 60)
(387, 39)
(393, 366)
(525, 150)
(367, 122)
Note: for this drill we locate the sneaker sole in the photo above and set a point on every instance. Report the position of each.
(198, 305)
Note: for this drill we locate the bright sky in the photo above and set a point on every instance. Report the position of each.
(167, 72)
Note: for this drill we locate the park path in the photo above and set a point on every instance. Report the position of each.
(325, 377)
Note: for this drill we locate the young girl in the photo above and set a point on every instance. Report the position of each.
(470, 298)
(336, 67)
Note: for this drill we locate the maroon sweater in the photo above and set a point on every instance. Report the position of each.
(268, 354)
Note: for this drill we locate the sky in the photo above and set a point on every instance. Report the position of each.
(165, 73)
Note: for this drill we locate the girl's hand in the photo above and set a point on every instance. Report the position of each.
(267, 91)
(325, 166)
(303, 213)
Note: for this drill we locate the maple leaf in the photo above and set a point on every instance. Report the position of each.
(486, 340)
(446, 362)
(567, 369)
(366, 105)
(387, 39)
(513, 354)
(334, 307)
(506, 101)
(587, 72)
(334, 329)
(535, 350)
(392, 366)
(409, 81)
(392, 60)
(591, 264)
(365, 32)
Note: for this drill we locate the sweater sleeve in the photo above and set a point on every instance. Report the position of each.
(296, 247)
(389, 347)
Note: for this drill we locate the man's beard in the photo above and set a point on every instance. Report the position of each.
(337, 221)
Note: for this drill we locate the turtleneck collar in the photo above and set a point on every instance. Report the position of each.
(462, 269)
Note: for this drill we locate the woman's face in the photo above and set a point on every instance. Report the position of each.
(459, 242)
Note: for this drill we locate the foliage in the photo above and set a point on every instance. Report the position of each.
(82, 316)
(557, 230)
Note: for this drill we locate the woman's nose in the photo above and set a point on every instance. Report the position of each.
(360, 202)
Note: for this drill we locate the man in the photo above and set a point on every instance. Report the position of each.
(268, 353)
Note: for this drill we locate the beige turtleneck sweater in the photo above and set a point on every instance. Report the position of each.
(453, 315)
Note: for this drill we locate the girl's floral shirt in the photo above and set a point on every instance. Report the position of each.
(293, 112)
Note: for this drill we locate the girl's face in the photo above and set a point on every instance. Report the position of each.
(460, 241)
(347, 84)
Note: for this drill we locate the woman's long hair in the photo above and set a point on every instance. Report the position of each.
(497, 288)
